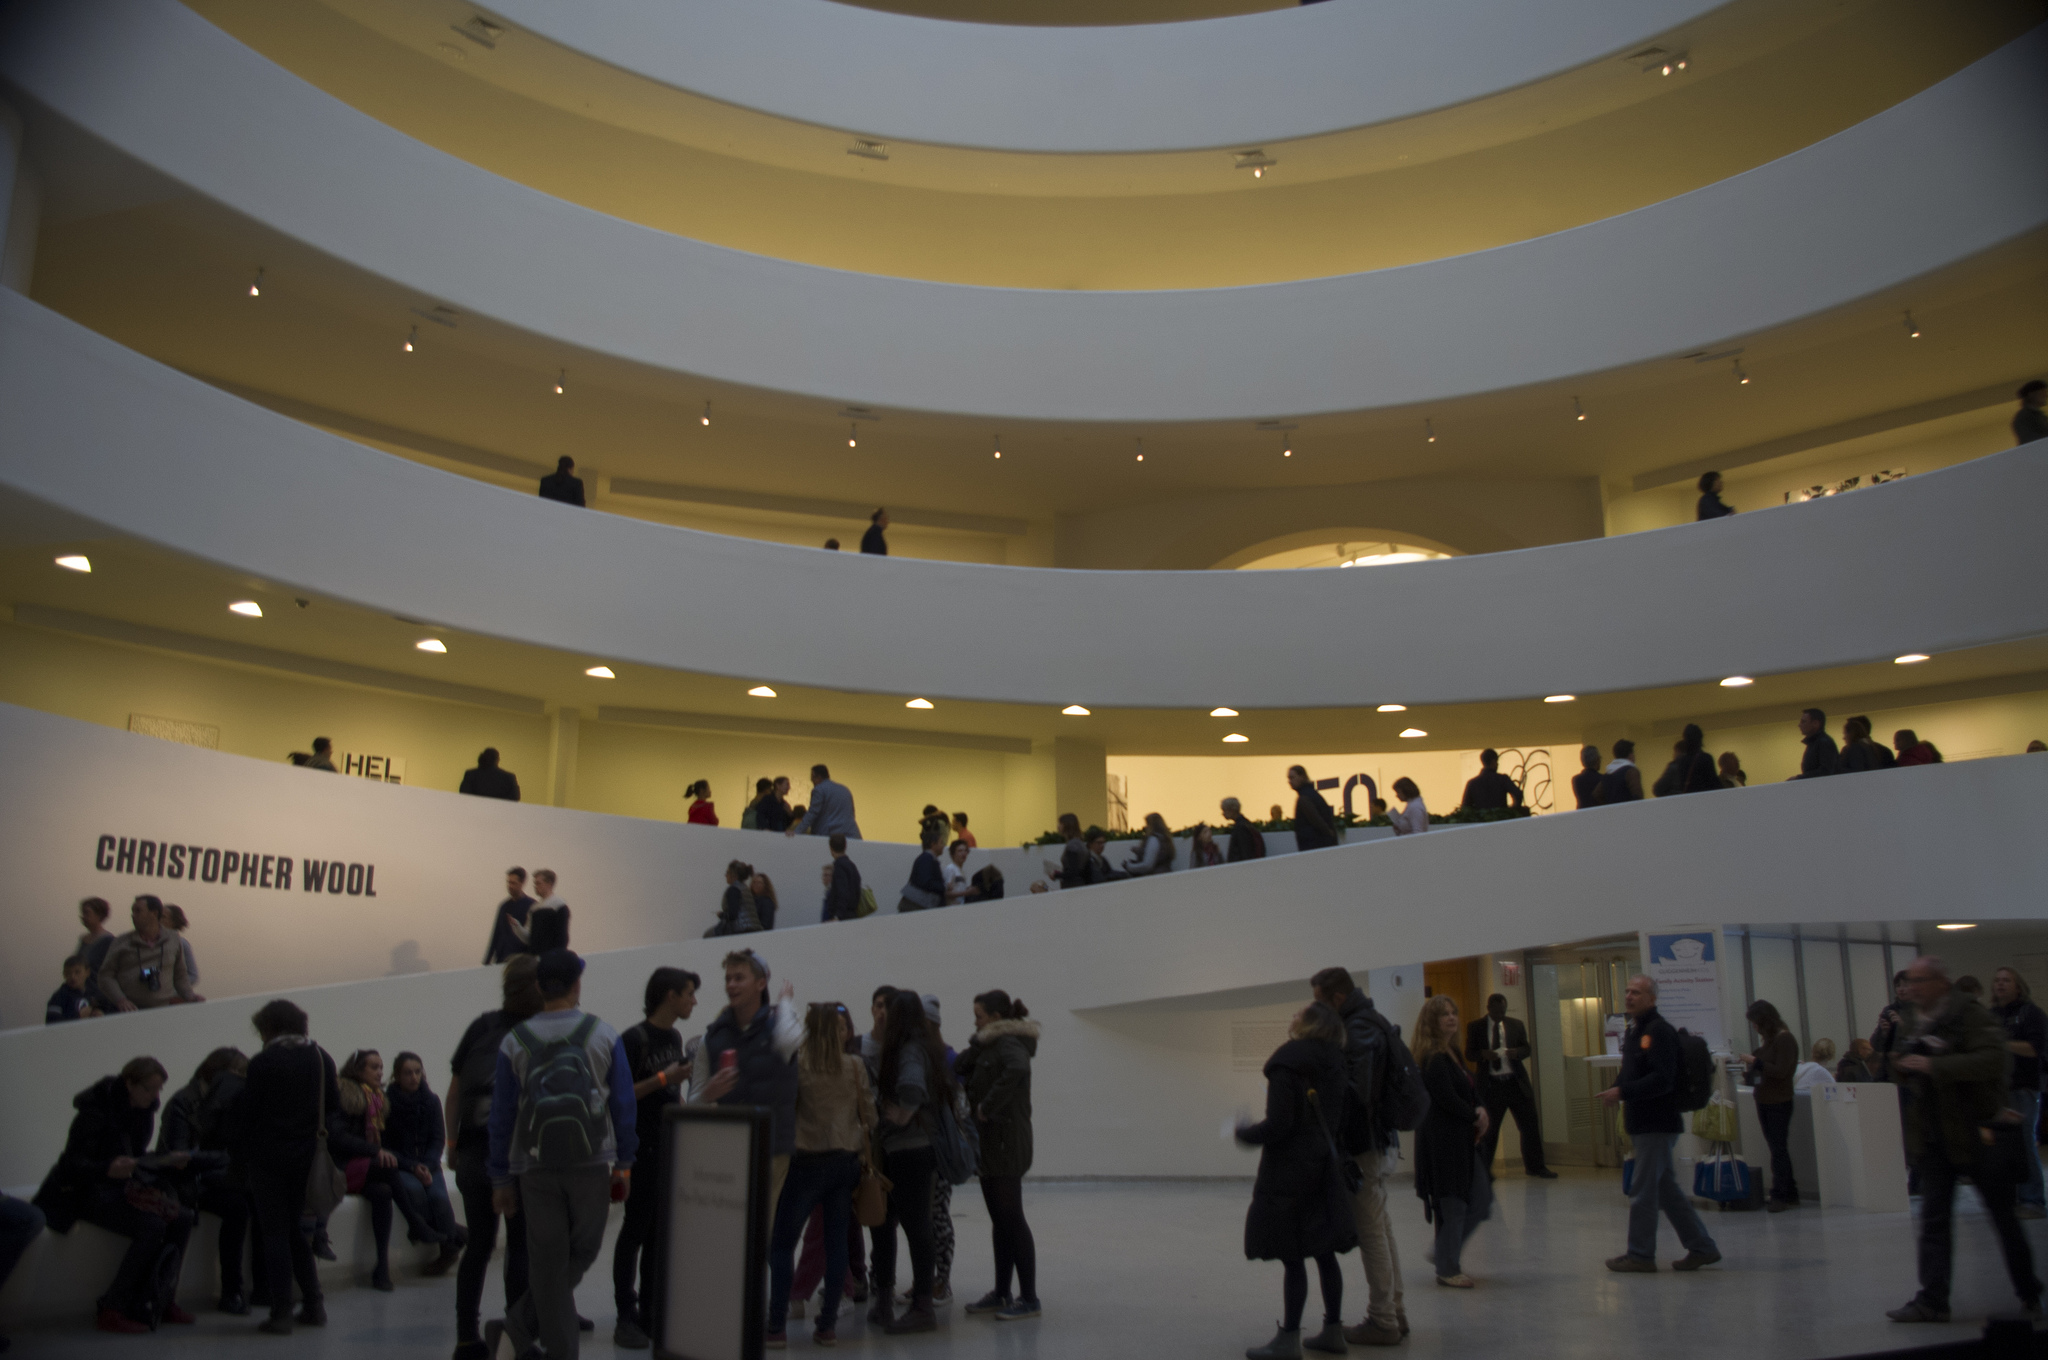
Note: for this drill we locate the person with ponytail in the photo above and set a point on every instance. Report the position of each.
(834, 1115)
(996, 1072)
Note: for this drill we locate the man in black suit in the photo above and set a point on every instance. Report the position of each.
(1497, 1045)
(563, 484)
(488, 780)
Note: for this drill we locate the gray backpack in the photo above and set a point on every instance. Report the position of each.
(562, 1107)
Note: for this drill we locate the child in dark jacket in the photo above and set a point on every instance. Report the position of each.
(71, 1001)
(415, 1133)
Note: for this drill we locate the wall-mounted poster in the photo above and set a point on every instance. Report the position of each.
(1685, 963)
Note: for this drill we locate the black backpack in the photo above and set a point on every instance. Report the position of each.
(1695, 1072)
(1386, 1089)
(479, 1074)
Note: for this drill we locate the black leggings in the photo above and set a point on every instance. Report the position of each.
(910, 1208)
(1004, 1196)
(473, 1182)
(1294, 1290)
(378, 1193)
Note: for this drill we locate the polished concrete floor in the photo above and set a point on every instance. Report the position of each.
(1156, 1269)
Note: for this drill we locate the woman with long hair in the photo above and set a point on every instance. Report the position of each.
(810, 1259)
(736, 911)
(1203, 852)
(765, 905)
(1455, 1185)
(416, 1133)
(371, 1168)
(1155, 852)
(913, 1082)
(1413, 818)
(834, 1115)
(1300, 1205)
(199, 1118)
(1771, 1067)
(996, 1070)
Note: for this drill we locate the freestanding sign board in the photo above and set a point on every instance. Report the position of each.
(713, 1235)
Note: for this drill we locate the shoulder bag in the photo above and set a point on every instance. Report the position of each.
(1348, 1170)
(871, 1196)
(326, 1183)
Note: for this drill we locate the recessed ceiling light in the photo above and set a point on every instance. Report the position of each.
(919, 703)
(761, 692)
(1237, 736)
(1560, 698)
(76, 563)
(561, 382)
(601, 673)
(1393, 708)
(1223, 713)
(1429, 431)
(706, 417)
(246, 608)
(1910, 658)
(853, 436)
(1075, 711)
(1957, 925)
(1912, 327)
(412, 341)
(1736, 682)
(1578, 409)
(256, 285)
(1413, 732)
(434, 645)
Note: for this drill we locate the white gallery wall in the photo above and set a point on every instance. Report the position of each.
(1155, 995)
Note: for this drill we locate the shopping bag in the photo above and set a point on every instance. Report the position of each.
(1723, 1177)
(1715, 1122)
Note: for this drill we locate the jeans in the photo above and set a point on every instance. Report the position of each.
(473, 1183)
(2028, 1103)
(1376, 1238)
(20, 1221)
(565, 1215)
(1458, 1219)
(429, 1217)
(810, 1261)
(633, 1255)
(137, 1288)
(826, 1180)
(1656, 1187)
(1294, 1290)
(279, 1195)
(1011, 1235)
(1937, 1227)
(1777, 1122)
(910, 1208)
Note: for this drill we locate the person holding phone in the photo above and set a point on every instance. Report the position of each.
(749, 1055)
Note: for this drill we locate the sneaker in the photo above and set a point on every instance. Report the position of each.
(917, 1318)
(1917, 1311)
(776, 1341)
(1693, 1260)
(173, 1313)
(824, 1336)
(1018, 1311)
(882, 1311)
(114, 1320)
(313, 1312)
(1370, 1333)
(1458, 1281)
(1627, 1264)
(277, 1324)
(628, 1336)
(990, 1302)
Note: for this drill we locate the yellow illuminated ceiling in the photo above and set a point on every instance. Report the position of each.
(1766, 79)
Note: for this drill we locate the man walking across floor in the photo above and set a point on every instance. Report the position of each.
(1647, 1092)
(1497, 1046)
(1369, 1046)
(1951, 1056)
(563, 1135)
(2026, 1034)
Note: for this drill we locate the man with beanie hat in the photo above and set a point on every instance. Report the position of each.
(563, 1138)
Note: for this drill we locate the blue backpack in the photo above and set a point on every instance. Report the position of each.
(562, 1107)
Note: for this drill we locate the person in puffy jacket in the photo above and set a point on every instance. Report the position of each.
(996, 1073)
(100, 1178)
(416, 1133)
(1300, 1208)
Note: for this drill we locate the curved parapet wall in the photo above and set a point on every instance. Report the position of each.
(1253, 78)
(1934, 180)
(1928, 564)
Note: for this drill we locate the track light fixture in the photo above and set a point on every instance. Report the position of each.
(561, 382)
(1428, 432)
(412, 341)
(256, 285)
(1579, 411)
(706, 417)
(1912, 327)
(1741, 378)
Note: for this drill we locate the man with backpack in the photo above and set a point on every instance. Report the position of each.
(563, 1138)
(1652, 1091)
(1386, 1097)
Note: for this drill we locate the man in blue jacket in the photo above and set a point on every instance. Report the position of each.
(553, 1158)
(1648, 1094)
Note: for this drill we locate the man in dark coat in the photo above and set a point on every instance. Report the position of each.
(488, 780)
(1497, 1046)
(1490, 790)
(1822, 756)
(842, 893)
(1315, 826)
(1368, 1047)
(505, 942)
(563, 484)
(872, 542)
(1246, 841)
(1647, 1091)
(927, 886)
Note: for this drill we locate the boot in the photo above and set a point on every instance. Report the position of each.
(882, 1311)
(1330, 1340)
(1285, 1345)
(918, 1317)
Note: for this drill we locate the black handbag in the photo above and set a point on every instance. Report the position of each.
(1348, 1170)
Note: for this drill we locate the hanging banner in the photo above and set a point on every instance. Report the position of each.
(1685, 963)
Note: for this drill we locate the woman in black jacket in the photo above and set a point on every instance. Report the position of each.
(996, 1072)
(1300, 1205)
(99, 1179)
(415, 1134)
(277, 1132)
(1455, 1185)
(196, 1119)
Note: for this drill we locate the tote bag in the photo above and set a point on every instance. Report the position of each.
(1722, 1177)
(871, 1196)
(326, 1183)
